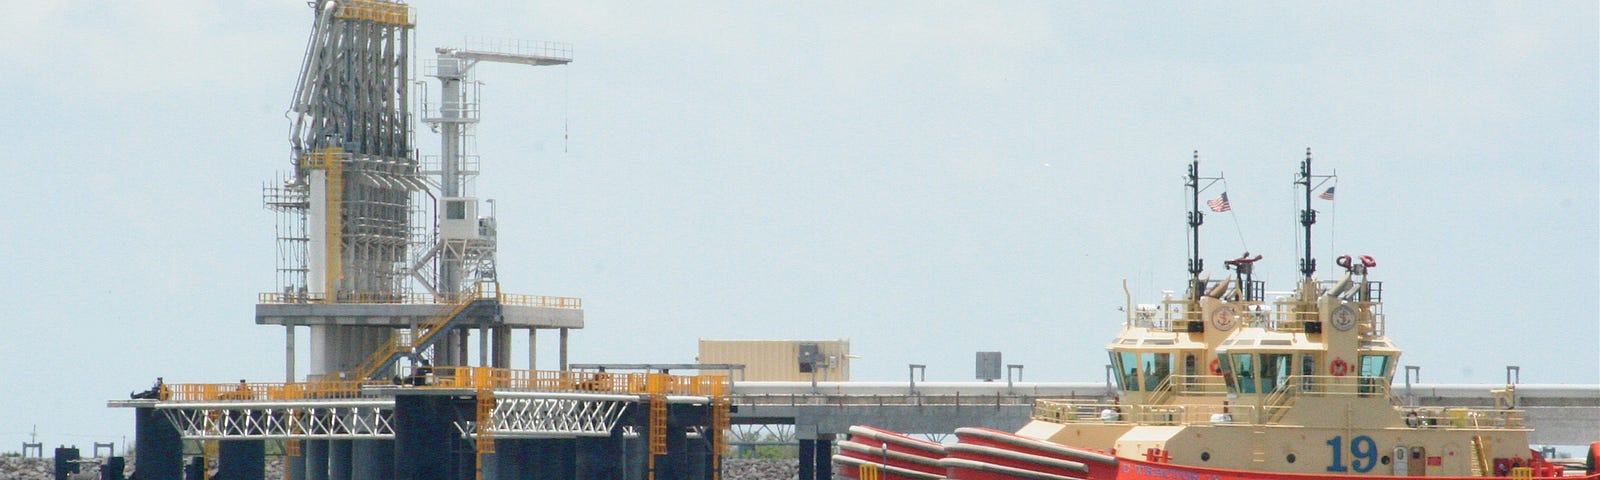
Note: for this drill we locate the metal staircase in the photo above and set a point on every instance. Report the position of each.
(414, 341)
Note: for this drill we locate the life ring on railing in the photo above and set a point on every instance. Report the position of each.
(1338, 368)
(1216, 367)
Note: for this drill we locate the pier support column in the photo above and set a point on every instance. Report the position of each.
(339, 459)
(510, 463)
(502, 347)
(316, 453)
(242, 460)
(288, 353)
(563, 349)
(423, 438)
(159, 446)
(808, 459)
(601, 458)
(824, 457)
(294, 464)
(372, 459)
(555, 459)
(697, 458)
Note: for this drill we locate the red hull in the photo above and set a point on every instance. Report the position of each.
(984, 454)
(1129, 469)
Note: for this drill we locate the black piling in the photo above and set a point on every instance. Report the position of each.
(242, 460)
(159, 446)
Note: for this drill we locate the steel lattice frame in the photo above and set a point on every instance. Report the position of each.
(515, 415)
(324, 420)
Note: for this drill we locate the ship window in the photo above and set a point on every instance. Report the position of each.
(1128, 370)
(1308, 367)
(1157, 366)
(1374, 371)
(1244, 371)
(1275, 371)
(1226, 367)
(1374, 365)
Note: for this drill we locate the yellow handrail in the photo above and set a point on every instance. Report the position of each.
(715, 386)
(273, 298)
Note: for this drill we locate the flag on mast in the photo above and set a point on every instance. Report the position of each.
(1327, 194)
(1219, 204)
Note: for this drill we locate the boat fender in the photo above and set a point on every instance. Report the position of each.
(1368, 261)
(1216, 367)
(1339, 367)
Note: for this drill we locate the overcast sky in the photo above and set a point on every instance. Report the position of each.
(926, 180)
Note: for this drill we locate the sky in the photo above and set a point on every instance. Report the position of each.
(928, 180)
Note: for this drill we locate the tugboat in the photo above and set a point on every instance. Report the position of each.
(1224, 383)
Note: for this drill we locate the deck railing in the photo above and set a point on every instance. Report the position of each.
(499, 379)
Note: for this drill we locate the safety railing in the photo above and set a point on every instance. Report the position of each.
(416, 299)
(376, 11)
(1077, 412)
(1460, 417)
(567, 381)
(557, 50)
(1288, 315)
(1199, 385)
(475, 378)
(242, 391)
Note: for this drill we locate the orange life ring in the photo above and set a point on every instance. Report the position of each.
(1338, 368)
(1216, 367)
(1368, 261)
(1343, 261)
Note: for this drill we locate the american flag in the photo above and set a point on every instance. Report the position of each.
(1327, 194)
(1220, 204)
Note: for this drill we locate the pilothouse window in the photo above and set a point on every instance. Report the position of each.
(1275, 371)
(1128, 370)
(1375, 366)
(1157, 366)
(1244, 372)
(1374, 371)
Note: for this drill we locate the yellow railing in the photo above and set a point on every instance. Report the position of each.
(415, 299)
(375, 11)
(206, 392)
(475, 378)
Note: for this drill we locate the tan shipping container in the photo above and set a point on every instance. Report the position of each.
(778, 360)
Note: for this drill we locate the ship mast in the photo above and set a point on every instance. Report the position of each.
(1308, 216)
(1196, 264)
(1196, 218)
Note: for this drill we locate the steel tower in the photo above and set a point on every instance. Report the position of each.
(362, 221)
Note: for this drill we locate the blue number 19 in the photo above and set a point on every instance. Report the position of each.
(1362, 448)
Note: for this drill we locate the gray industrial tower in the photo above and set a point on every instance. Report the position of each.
(384, 254)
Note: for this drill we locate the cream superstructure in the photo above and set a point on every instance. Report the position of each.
(1300, 383)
